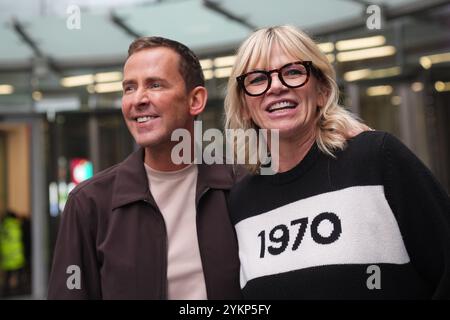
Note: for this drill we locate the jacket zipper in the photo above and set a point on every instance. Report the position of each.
(164, 283)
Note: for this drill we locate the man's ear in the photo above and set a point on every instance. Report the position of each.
(197, 100)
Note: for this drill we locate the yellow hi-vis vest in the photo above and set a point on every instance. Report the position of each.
(11, 246)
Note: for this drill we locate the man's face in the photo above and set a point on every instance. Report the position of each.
(154, 101)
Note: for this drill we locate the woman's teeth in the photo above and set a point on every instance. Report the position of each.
(281, 105)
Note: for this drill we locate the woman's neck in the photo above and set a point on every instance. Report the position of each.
(293, 151)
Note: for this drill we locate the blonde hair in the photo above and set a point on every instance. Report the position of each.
(334, 123)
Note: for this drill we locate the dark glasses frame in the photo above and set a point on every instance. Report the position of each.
(308, 67)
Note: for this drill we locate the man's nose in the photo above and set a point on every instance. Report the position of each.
(141, 98)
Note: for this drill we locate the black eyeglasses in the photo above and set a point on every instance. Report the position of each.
(292, 75)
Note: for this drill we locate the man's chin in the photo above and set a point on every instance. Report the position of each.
(150, 142)
(146, 143)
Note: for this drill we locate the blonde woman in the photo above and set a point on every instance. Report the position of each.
(351, 213)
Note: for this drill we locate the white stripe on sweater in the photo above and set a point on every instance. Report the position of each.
(370, 234)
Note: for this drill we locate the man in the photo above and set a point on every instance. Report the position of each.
(149, 228)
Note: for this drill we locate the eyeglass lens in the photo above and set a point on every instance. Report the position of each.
(293, 75)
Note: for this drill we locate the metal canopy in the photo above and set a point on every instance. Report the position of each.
(108, 27)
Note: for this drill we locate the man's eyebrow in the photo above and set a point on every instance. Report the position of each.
(149, 79)
(126, 81)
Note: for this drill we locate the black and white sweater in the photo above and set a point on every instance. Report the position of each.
(372, 223)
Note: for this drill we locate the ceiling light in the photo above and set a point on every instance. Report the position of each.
(372, 74)
(417, 86)
(356, 75)
(206, 63)
(224, 61)
(396, 100)
(425, 62)
(6, 89)
(326, 47)
(360, 43)
(36, 95)
(90, 88)
(75, 81)
(222, 72)
(379, 91)
(330, 57)
(441, 86)
(428, 61)
(366, 53)
(208, 74)
(108, 87)
(384, 73)
(108, 76)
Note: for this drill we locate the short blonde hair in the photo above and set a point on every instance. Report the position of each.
(333, 121)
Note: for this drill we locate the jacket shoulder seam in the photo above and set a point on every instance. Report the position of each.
(107, 173)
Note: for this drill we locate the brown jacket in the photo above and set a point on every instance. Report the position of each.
(113, 231)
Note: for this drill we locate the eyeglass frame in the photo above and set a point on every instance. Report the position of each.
(307, 64)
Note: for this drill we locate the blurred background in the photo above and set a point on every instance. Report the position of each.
(60, 91)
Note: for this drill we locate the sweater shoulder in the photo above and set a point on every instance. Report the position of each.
(367, 142)
(361, 152)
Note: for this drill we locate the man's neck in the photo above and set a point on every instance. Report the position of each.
(160, 157)
(161, 160)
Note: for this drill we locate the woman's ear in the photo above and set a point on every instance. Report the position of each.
(197, 100)
(322, 94)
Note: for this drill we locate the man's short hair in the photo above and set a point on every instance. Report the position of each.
(189, 65)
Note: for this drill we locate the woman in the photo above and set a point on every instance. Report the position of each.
(344, 217)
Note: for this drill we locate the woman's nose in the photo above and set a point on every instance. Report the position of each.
(276, 85)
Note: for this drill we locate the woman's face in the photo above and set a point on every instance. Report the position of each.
(291, 110)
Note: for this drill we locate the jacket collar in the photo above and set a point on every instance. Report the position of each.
(131, 183)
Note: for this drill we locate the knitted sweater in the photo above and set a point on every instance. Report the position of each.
(372, 223)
